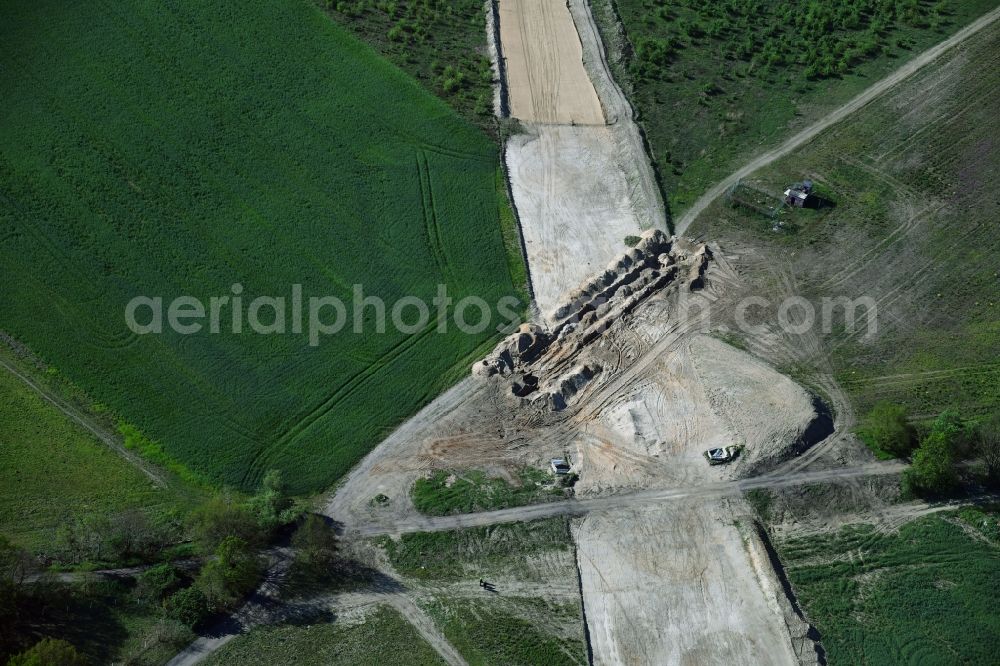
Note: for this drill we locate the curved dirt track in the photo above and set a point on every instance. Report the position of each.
(835, 116)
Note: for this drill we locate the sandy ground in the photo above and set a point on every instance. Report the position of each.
(576, 204)
(579, 190)
(546, 80)
(682, 586)
(682, 583)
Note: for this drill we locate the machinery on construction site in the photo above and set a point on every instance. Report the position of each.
(723, 454)
(559, 466)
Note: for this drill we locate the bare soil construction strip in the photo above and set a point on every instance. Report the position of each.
(573, 194)
(676, 587)
(545, 75)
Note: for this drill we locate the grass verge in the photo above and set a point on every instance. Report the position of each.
(496, 550)
(383, 637)
(487, 633)
(53, 472)
(926, 594)
(470, 491)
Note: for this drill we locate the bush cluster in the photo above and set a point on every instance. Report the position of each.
(940, 456)
(822, 39)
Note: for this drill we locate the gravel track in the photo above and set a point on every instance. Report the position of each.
(581, 507)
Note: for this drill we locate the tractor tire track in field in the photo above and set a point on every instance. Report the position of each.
(267, 454)
(922, 377)
(431, 225)
(107, 438)
(426, 628)
(832, 118)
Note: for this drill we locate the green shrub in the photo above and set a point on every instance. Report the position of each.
(933, 470)
(189, 606)
(222, 517)
(231, 574)
(156, 583)
(271, 506)
(49, 652)
(886, 430)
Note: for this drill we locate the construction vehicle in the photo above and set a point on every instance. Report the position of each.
(722, 455)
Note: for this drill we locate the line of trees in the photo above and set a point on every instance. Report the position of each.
(939, 456)
(823, 39)
(227, 534)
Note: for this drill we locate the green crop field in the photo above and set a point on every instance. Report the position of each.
(717, 82)
(384, 637)
(166, 149)
(53, 472)
(913, 227)
(924, 595)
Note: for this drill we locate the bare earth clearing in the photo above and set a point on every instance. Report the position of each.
(580, 185)
(659, 582)
(575, 202)
(547, 81)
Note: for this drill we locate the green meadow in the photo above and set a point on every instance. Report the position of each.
(167, 149)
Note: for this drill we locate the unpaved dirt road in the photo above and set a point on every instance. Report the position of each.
(582, 507)
(833, 117)
(575, 201)
(545, 76)
(266, 606)
(579, 174)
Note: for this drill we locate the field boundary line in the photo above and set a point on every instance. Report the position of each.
(102, 435)
(911, 67)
